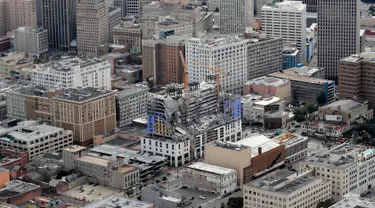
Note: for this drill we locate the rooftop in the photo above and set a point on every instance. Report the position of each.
(286, 5)
(267, 81)
(93, 160)
(257, 141)
(83, 94)
(68, 63)
(210, 168)
(267, 101)
(217, 41)
(283, 181)
(343, 105)
(116, 201)
(132, 90)
(32, 90)
(354, 201)
(364, 56)
(289, 138)
(111, 152)
(299, 74)
(126, 169)
(74, 148)
(15, 188)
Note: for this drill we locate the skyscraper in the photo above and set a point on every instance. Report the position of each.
(92, 27)
(286, 20)
(59, 18)
(338, 33)
(236, 15)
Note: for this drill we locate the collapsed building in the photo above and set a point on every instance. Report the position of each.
(181, 122)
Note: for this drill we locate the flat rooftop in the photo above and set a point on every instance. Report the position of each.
(286, 74)
(31, 90)
(15, 188)
(351, 200)
(364, 56)
(210, 168)
(344, 105)
(93, 160)
(74, 148)
(117, 201)
(256, 141)
(286, 6)
(289, 139)
(68, 63)
(132, 90)
(267, 81)
(83, 94)
(267, 101)
(282, 181)
(110, 152)
(126, 169)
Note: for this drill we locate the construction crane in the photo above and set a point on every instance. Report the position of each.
(219, 73)
(186, 85)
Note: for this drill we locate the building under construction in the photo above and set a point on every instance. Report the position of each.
(198, 115)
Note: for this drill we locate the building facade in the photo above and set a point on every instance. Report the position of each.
(114, 18)
(59, 19)
(86, 112)
(128, 34)
(92, 27)
(335, 41)
(291, 57)
(236, 16)
(31, 41)
(286, 20)
(35, 138)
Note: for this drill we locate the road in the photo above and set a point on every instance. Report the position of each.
(216, 203)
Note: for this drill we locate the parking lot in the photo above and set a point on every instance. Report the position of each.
(196, 201)
(90, 193)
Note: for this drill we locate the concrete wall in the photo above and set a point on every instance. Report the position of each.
(4, 177)
(264, 160)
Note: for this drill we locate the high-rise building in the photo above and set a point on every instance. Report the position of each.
(31, 41)
(236, 16)
(85, 111)
(311, 5)
(356, 80)
(286, 20)
(92, 27)
(114, 18)
(339, 35)
(59, 19)
(161, 60)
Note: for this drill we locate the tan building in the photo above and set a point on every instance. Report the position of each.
(128, 34)
(86, 111)
(161, 60)
(18, 62)
(17, 13)
(356, 78)
(92, 27)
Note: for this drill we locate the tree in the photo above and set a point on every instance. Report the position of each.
(223, 205)
(129, 192)
(157, 181)
(310, 108)
(327, 203)
(299, 114)
(321, 99)
(235, 202)
(164, 178)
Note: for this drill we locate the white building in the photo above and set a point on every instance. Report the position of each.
(295, 146)
(286, 20)
(227, 54)
(73, 73)
(286, 189)
(35, 138)
(236, 16)
(31, 41)
(350, 168)
(211, 178)
(354, 201)
(176, 150)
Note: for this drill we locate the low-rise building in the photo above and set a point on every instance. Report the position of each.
(118, 201)
(211, 178)
(354, 201)
(168, 23)
(158, 195)
(285, 188)
(348, 167)
(17, 192)
(128, 34)
(269, 87)
(14, 62)
(33, 41)
(71, 153)
(295, 146)
(307, 84)
(35, 138)
(4, 177)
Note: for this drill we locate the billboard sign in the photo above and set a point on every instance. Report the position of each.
(333, 117)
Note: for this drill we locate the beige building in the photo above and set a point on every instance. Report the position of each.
(17, 13)
(16, 61)
(285, 188)
(128, 34)
(92, 27)
(86, 111)
(167, 23)
(71, 153)
(231, 157)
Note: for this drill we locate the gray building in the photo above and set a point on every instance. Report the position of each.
(114, 18)
(118, 201)
(59, 19)
(236, 16)
(339, 34)
(311, 5)
(131, 104)
(30, 40)
(158, 195)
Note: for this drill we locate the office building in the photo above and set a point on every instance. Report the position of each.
(31, 41)
(59, 19)
(307, 84)
(86, 111)
(356, 78)
(73, 72)
(339, 35)
(291, 57)
(35, 138)
(128, 34)
(206, 177)
(92, 27)
(348, 167)
(70, 154)
(179, 27)
(295, 146)
(286, 20)
(311, 41)
(311, 5)
(268, 87)
(354, 201)
(213, 6)
(162, 61)
(118, 201)
(114, 18)
(236, 16)
(348, 111)
(131, 103)
(285, 188)
(4, 15)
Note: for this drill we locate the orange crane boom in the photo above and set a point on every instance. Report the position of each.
(186, 79)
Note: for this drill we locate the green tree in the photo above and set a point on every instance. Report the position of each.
(327, 203)
(310, 108)
(321, 99)
(164, 178)
(235, 202)
(299, 114)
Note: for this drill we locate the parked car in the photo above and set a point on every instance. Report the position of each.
(202, 197)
